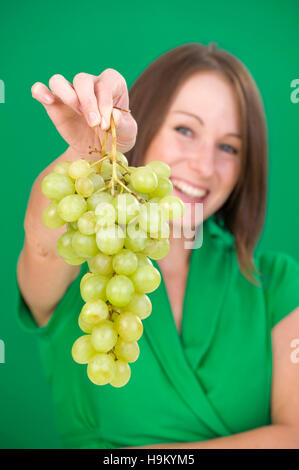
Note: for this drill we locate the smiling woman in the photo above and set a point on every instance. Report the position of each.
(209, 125)
(214, 367)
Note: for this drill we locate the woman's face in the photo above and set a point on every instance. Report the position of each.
(200, 141)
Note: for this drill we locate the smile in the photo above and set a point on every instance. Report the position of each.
(190, 190)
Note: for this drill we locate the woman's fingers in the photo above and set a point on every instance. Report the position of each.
(84, 87)
(92, 98)
(41, 93)
(111, 89)
(63, 89)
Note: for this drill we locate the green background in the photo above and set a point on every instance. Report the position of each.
(39, 39)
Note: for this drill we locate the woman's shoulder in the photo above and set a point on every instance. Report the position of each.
(276, 260)
(279, 278)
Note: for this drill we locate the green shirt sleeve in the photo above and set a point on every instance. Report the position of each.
(280, 279)
(61, 315)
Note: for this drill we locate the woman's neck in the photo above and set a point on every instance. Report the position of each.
(178, 257)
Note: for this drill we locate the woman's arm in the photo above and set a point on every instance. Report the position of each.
(284, 432)
(43, 276)
(74, 109)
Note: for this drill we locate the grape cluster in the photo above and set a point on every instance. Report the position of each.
(117, 218)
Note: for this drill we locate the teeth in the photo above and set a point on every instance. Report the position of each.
(190, 190)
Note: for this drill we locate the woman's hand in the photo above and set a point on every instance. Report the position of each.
(76, 108)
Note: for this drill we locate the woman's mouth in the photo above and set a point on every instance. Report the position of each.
(189, 192)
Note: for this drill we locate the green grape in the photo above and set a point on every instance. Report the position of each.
(94, 168)
(154, 200)
(120, 157)
(127, 208)
(122, 374)
(145, 196)
(151, 218)
(64, 246)
(84, 186)
(144, 179)
(104, 336)
(101, 369)
(157, 249)
(56, 186)
(51, 218)
(160, 168)
(105, 214)
(162, 233)
(84, 245)
(172, 206)
(74, 261)
(87, 223)
(79, 168)
(140, 305)
(82, 350)
(125, 262)
(127, 177)
(143, 259)
(164, 187)
(128, 352)
(129, 326)
(97, 181)
(94, 312)
(117, 235)
(70, 208)
(72, 226)
(96, 198)
(119, 290)
(87, 328)
(146, 279)
(110, 239)
(114, 316)
(106, 169)
(101, 264)
(94, 288)
(62, 168)
(135, 238)
(84, 278)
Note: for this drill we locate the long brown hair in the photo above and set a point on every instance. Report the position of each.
(151, 95)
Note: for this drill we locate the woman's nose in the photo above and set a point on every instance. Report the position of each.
(203, 161)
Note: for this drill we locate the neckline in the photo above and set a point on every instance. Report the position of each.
(200, 235)
(208, 233)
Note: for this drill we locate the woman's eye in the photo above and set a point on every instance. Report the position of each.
(228, 148)
(182, 129)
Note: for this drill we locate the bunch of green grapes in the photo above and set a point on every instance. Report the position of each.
(117, 218)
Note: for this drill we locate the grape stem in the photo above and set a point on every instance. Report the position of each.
(101, 160)
(112, 156)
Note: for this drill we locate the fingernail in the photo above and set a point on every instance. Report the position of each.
(47, 99)
(93, 118)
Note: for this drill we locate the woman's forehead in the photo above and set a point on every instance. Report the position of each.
(207, 97)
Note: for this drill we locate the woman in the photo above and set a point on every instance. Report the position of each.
(216, 367)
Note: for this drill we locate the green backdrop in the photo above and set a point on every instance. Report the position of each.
(39, 39)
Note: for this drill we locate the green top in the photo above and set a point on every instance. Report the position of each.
(212, 380)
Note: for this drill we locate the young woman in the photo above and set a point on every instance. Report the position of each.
(218, 365)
